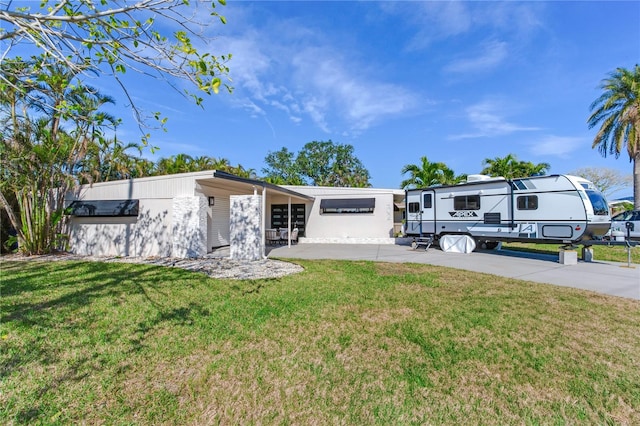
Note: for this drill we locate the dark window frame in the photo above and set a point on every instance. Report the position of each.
(347, 205)
(427, 201)
(466, 202)
(527, 202)
(414, 207)
(104, 208)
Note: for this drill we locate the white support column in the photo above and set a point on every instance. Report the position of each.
(263, 222)
(289, 222)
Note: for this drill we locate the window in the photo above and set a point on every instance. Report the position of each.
(104, 208)
(414, 207)
(347, 205)
(280, 216)
(528, 202)
(521, 184)
(426, 201)
(466, 202)
(518, 184)
(599, 204)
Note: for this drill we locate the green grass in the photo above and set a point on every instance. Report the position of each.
(606, 253)
(342, 342)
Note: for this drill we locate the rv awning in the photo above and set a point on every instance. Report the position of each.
(347, 203)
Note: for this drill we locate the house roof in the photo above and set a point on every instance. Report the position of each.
(247, 185)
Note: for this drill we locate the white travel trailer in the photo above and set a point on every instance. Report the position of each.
(546, 209)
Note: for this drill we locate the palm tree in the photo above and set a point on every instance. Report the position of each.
(40, 158)
(527, 168)
(509, 167)
(617, 112)
(180, 163)
(428, 174)
(500, 166)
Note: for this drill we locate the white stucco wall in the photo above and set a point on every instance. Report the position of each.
(148, 234)
(374, 228)
(345, 226)
(188, 227)
(245, 227)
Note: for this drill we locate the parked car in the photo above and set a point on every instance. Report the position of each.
(619, 224)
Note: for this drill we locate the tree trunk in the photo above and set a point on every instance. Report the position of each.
(10, 213)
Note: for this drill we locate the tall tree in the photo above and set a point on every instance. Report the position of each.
(118, 35)
(617, 112)
(282, 168)
(325, 163)
(509, 167)
(428, 174)
(608, 181)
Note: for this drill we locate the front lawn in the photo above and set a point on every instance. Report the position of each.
(341, 343)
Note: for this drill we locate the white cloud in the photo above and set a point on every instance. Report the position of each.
(558, 146)
(488, 119)
(358, 99)
(491, 56)
(439, 20)
(313, 81)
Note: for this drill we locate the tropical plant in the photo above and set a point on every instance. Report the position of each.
(428, 174)
(114, 36)
(617, 112)
(40, 159)
(180, 163)
(510, 167)
(109, 160)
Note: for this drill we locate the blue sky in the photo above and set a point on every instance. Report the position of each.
(457, 82)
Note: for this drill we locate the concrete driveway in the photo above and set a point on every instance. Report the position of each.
(604, 277)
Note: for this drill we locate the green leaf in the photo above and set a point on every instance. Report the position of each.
(215, 85)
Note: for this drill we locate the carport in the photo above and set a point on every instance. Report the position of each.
(248, 209)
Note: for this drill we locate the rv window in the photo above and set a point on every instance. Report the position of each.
(600, 206)
(518, 184)
(426, 202)
(414, 207)
(528, 202)
(466, 202)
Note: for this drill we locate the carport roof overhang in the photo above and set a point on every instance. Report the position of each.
(242, 185)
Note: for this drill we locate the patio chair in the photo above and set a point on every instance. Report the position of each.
(271, 236)
(294, 235)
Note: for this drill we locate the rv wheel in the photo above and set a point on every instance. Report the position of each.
(488, 245)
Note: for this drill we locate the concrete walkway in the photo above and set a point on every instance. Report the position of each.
(604, 277)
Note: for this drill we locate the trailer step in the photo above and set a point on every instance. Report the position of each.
(422, 241)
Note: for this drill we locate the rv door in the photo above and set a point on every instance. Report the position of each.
(420, 212)
(428, 212)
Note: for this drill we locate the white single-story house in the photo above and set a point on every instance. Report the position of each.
(191, 214)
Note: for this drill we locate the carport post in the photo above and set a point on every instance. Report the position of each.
(263, 222)
(289, 222)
